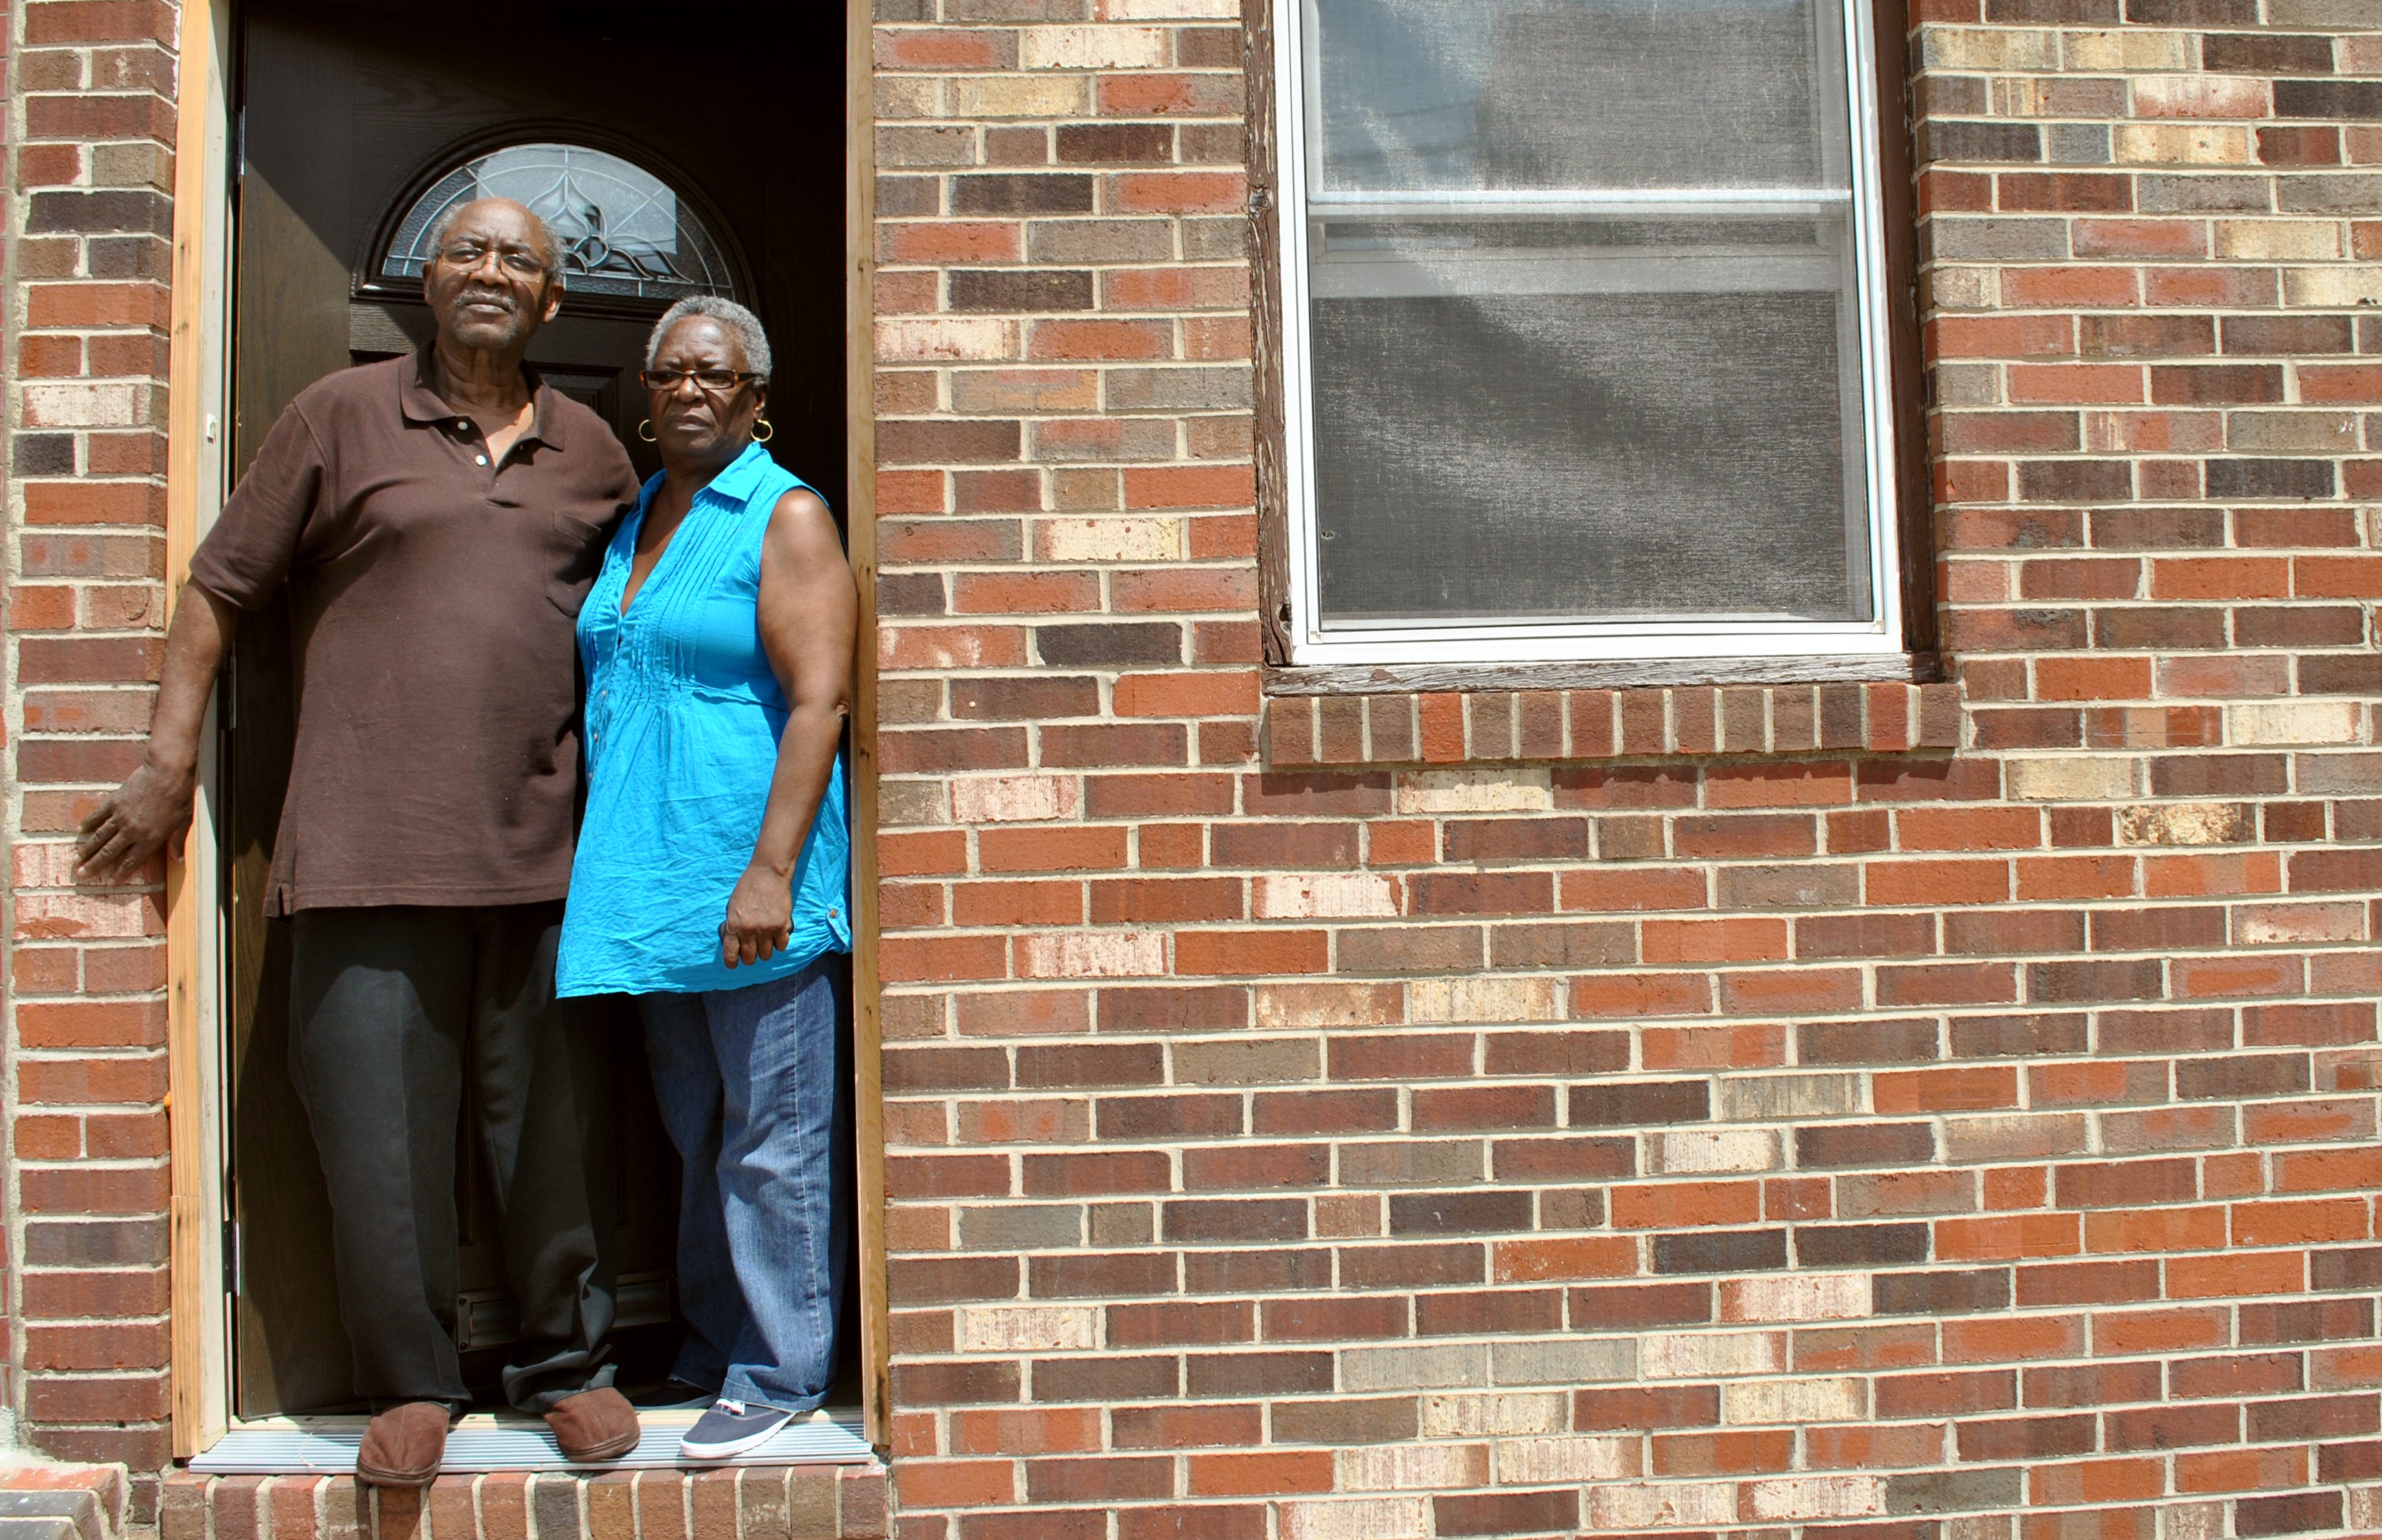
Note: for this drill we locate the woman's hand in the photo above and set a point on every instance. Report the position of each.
(760, 917)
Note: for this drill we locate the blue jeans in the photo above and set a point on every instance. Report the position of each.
(751, 1083)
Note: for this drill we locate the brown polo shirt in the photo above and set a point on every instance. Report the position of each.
(433, 596)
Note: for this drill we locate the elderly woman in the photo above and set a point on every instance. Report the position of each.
(710, 880)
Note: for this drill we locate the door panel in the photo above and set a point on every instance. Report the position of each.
(345, 109)
(288, 1346)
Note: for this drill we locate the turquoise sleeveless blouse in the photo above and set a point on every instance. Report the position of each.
(684, 717)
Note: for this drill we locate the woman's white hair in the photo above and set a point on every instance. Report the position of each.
(742, 324)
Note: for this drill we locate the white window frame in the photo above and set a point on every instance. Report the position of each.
(1586, 641)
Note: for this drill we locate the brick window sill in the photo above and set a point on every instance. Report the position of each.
(1448, 726)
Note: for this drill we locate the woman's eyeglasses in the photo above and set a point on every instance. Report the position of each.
(719, 382)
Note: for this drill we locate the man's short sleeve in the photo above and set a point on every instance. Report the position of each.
(248, 553)
(626, 488)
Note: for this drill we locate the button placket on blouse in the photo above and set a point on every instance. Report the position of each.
(606, 593)
(629, 649)
(647, 655)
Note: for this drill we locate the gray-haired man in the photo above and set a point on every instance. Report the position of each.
(437, 519)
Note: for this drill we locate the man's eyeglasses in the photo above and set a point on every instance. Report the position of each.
(469, 255)
(719, 382)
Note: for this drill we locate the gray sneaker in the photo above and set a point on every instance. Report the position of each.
(727, 1430)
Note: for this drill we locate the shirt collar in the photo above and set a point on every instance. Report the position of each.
(742, 474)
(422, 404)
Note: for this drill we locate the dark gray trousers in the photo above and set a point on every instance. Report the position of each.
(390, 1011)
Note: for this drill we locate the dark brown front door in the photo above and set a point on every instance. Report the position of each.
(350, 115)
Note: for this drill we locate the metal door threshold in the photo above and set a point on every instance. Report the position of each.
(482, 1441)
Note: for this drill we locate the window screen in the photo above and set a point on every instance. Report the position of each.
(1581, 320)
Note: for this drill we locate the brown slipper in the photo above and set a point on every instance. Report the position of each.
(404, 1445)
(594, 1426)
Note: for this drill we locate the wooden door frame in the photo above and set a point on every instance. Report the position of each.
(196, 435)
(198, 374)
(860, 520)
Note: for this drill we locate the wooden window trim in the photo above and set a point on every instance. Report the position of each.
(1917, 663)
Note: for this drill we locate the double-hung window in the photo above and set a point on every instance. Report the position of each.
(1584, 333)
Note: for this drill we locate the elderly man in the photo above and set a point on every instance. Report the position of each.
(437, 518)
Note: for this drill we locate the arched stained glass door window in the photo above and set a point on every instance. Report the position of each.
(624, 232)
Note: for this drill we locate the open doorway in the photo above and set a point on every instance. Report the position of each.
(676, 159)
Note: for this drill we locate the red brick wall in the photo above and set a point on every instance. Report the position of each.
(89, 223)
(1691, 1109)
(8, 228)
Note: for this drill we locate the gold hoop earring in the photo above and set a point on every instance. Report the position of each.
(646, 431)
(760, 424)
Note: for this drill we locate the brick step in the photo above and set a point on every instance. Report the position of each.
(63, 1515)
(23, 1525)
(752, 1502)
(482, 1441)
(62, 1502)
